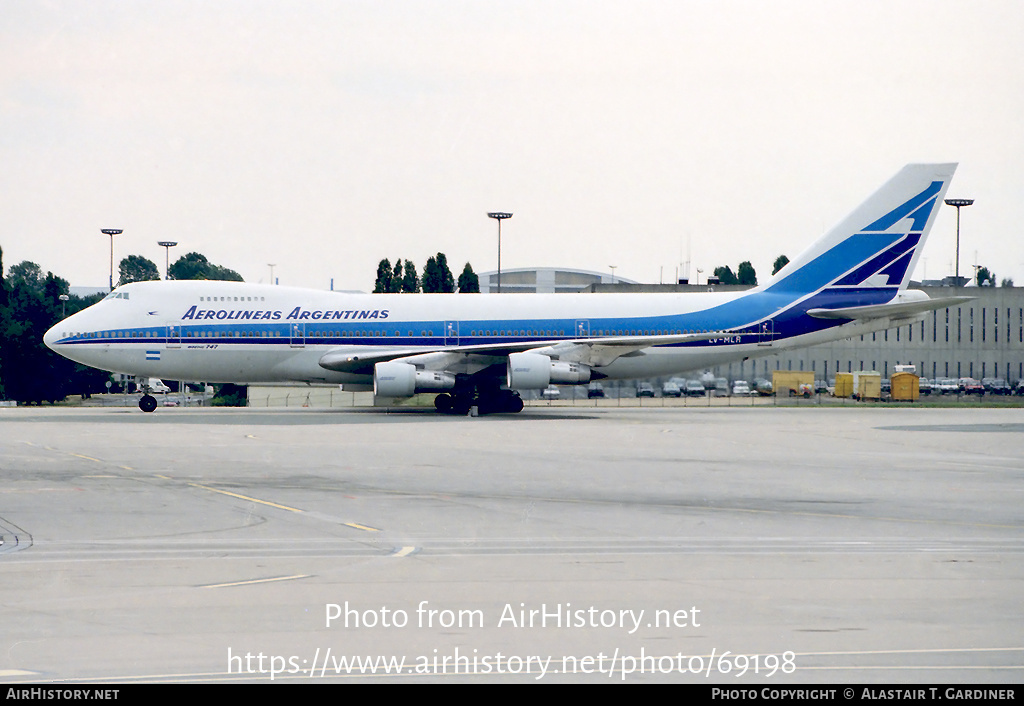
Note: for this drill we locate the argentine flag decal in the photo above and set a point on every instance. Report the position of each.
(152, 355)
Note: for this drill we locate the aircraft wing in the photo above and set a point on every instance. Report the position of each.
(899, 310)
(596, 351)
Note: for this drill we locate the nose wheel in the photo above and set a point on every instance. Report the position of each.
(147, 403)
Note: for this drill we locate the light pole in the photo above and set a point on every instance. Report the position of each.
(111, 232)
(271, 266)
(167, 245)
(63, 302)
(499, 216)
(958, 203)
(612, 268)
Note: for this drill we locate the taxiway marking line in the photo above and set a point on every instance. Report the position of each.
(255, 581)
(361, 527)
(245, 497)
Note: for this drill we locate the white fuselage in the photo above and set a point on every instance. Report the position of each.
(250, 333)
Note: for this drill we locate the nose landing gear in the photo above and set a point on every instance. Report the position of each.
(147, 403)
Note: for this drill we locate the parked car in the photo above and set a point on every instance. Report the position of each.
(763, 387)
(694, 388)
(644, 389)
(945, 386)
(671, 389)
(595, 389)
(741, 388)
(995, 386)
(550, 393)
(721, 388)
(970, 386)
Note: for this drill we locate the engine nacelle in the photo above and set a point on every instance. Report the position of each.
(394, 379)
(533, 371)
(569, 373)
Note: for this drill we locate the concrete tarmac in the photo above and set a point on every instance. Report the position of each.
(745, 546)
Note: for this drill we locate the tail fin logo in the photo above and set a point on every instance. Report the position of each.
(889, 267)
(918, 208)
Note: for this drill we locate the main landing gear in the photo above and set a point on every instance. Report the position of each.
(492, 402)
(147, 403)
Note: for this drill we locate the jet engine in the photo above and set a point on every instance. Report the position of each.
(395, 379)
(533, 371)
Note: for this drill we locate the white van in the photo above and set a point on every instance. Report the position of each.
(156, 385)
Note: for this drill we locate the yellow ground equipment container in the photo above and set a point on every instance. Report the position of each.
(793, 381)
(905, 387)
(844, 385)
(867, 385)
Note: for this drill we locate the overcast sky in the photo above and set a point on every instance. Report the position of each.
(324, 136)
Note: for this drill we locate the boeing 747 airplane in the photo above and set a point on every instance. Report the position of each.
(481, 350)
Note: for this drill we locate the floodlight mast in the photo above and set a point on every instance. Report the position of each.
(111, 232)
(499, 216)
(958, 203)
(167, 245)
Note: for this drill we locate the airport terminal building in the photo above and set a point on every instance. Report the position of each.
(546, 280)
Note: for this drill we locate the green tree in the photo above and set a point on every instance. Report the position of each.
(447, 280)
(136, 268)
(780, 262)
(984, 278)
(396, 278)
(410, 280)
(725, 275)
(745, 274)
(230, 395)
(3, 282)
(28, 275)
(437, 278)
(384, 276)
(190, 266)
(196, 266)
(469, 283)
(30, 371)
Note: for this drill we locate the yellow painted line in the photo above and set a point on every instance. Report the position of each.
(87, 458)
(158, 475)
(245, 497)
(17, 673)
(360, 527)
(255, 581)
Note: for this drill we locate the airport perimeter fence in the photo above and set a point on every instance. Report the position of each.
(324, 398)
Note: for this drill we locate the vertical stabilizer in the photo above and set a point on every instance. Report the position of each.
(879, 244)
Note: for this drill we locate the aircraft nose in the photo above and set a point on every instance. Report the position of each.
(50, 338)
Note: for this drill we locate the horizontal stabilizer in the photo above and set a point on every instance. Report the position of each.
(896, 310)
